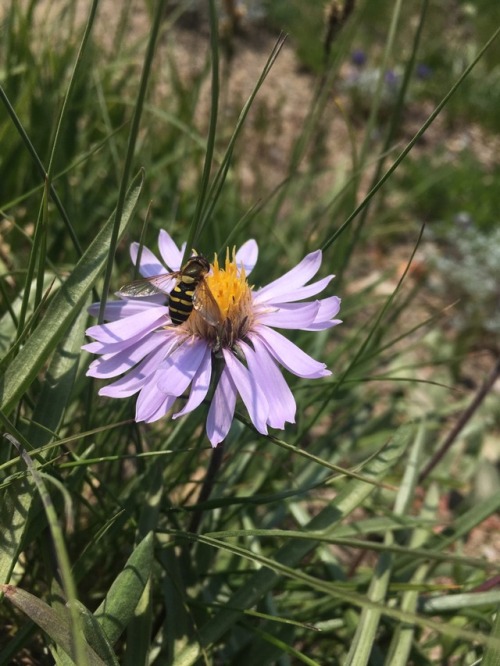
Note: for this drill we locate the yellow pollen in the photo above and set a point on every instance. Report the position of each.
(229, 287)
(232, 295)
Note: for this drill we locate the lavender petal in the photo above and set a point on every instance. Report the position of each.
(289, 355)
(252, 395)
(221, 411)
(247, 256)
(263, 367)
(149, 265)
(293, 279)
(177, 370)
(170, 253)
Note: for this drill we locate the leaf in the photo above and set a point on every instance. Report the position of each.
(290, 555)
(96, 637)
(140, 628)
(140, 631)
(15, 502)
(118, 608)
(57, 385)
(65, 305)
(364, 638)
(56, 627)
(492, 652)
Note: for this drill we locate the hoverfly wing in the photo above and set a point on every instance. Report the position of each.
(158, 284)
(206, 305)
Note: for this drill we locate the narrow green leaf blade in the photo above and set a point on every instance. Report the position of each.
(118, 608)
(96, 637)
(492, 652)
(58, 384)
(49, 621)
(16, 499)
(15, 502)
(66, 304)
(140, 628)
(355, 492)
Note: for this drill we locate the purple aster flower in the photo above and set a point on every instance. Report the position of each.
(391, 78)
(358, 57)
(423, 71)
(161, 361)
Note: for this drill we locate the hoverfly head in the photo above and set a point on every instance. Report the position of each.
(196, 266)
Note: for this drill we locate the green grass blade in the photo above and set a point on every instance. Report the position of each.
(71, 85)
(139, 629)
(290, 555)
(67, 303)
(432, 117)
(132, 140)
(395, 117)
(51, 622)
(219, 179)
(364, 638)
(337, 591)
(195, 226)
(377, 97)
(283, 648)
(63, 562)
(402, 640)
(492, 652)
(41, 169)
(56, 389)
(17, 498)
(96, 637)
(119, 606)
(15, 502)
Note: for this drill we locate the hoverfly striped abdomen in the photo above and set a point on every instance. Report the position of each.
(190, 292)
(180, 302)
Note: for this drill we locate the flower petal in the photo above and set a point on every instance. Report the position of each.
(118, 335)
(254, 399)
(284, 286)
(177, 370)
(296, 315)
(134, 380)
(329, 307)
(263, 367)
(116, 364)
(323, 325)
(297, 294)
(221, 411)
(150, 401)
(289, 355)
(163, 362)
(149, 264)
(126, 308)
(166, 403)
(199, 385)
(247, 255)
(162, 407)
(170, 253)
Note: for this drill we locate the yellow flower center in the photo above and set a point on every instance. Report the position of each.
(229, 287)
(229, 316)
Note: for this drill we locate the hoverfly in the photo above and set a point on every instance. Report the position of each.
(190, 291)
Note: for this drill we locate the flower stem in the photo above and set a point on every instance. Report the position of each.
(207, 487)
(215, 460)
(465, 417)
